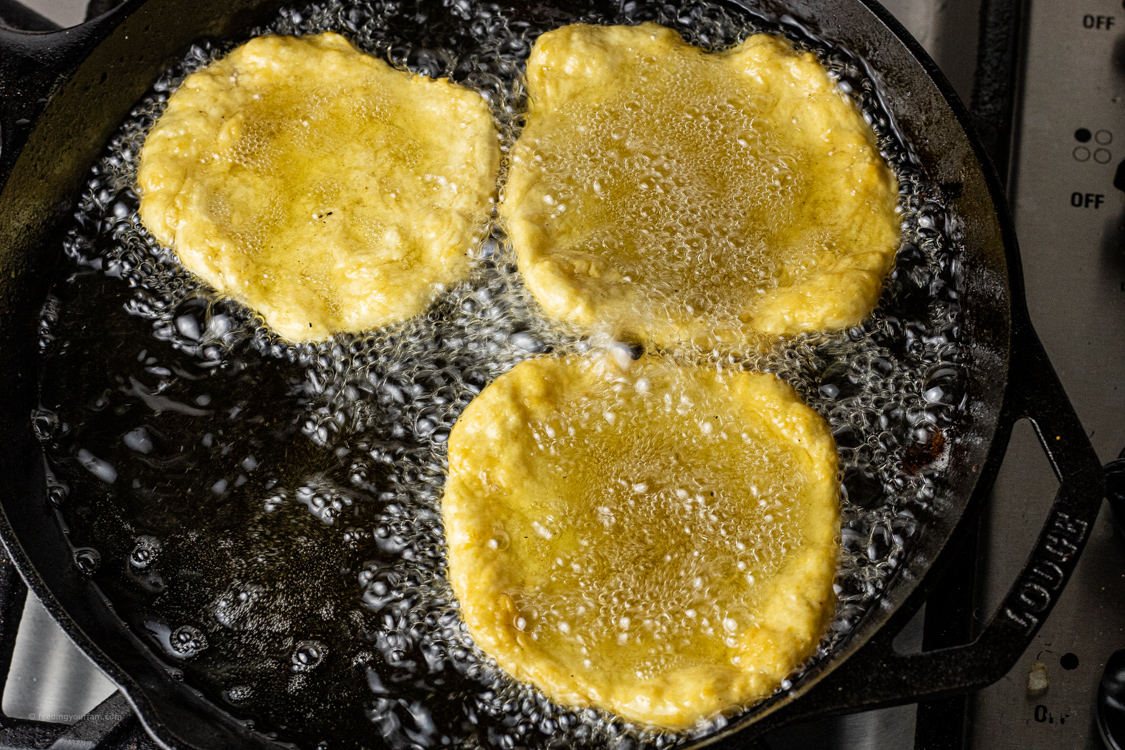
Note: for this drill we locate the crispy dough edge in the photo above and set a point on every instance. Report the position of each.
(861, 271)
(815, 304)
(169, 204)
(801, 593)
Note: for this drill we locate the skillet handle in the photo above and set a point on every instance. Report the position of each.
(877, 675)
(33, 63)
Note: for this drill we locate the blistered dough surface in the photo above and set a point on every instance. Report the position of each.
(318, 185)
(665, 192)
(658, 540)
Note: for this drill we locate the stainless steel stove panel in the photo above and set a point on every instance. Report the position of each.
(63, 12)
(947, 29)
(1071, 223)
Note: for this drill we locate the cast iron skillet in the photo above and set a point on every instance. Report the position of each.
(63, 93)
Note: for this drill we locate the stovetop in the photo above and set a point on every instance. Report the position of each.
(1071, 223)
(1067, 147)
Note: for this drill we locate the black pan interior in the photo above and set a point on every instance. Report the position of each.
(84, 112)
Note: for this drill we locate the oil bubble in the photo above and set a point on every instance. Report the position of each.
(87, 559)
(187, 641)
(307, 655)
(145, 552)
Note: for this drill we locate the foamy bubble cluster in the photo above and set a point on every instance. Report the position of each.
(701, 199)
(688, 480)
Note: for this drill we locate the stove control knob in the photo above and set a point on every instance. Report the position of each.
(1111, 702)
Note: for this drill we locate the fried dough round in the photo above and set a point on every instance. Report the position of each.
(658, 541)
(318, 185)
(664, 192)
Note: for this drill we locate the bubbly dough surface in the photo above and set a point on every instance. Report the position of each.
(673, 194)
(659, 541)
(318, 185)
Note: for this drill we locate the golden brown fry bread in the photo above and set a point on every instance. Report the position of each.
(664, 192)
(318, 185)
(658, 541)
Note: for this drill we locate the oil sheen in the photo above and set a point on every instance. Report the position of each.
(266, 515)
